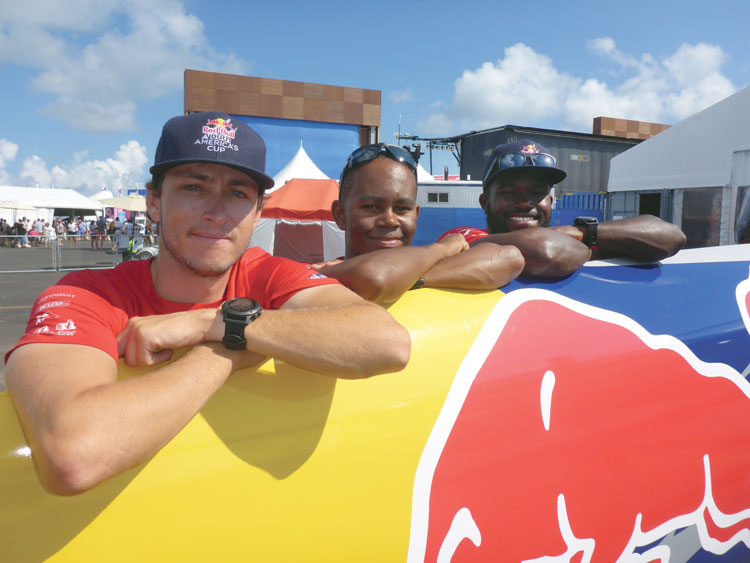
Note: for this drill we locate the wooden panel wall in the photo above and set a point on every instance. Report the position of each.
(627, 128)
(285, 99)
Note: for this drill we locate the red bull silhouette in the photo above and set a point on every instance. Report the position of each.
(743, 301)
(572, 434)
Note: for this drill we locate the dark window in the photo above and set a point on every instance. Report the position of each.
(443, 197)
(432, 197)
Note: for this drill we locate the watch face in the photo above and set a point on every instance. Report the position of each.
(242, 304)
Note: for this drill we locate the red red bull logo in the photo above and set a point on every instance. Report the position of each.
(529, 149)
(219, 126)
(571, 433)
(743, 301)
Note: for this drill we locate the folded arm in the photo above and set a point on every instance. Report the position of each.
(643, 237)
(385, 275)
(382, 276)
(327, 329)
(484, 266)
(84, 425)
(546, 252)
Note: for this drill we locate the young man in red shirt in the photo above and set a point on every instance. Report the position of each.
(233, 306)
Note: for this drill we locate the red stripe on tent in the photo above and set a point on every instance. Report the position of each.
(302, 199)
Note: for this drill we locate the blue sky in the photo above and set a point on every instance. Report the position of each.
(85, 85)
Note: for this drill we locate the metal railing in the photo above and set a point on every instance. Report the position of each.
(44, 253)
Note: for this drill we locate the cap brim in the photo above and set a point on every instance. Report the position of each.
(264, 182)
(548, 175)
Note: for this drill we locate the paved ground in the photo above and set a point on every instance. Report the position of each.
(20, 287)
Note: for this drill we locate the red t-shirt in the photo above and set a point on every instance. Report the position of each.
(91, 307)
(470, 233)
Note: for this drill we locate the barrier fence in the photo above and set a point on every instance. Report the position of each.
(25, 253)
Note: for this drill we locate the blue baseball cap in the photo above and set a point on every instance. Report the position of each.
(214, 138)
(523, 157)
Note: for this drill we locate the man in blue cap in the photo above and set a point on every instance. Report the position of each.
(517, 199)
(233, 306)
(377, 210)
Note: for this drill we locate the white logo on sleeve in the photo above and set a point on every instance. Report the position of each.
(45, 316)
(68, 328)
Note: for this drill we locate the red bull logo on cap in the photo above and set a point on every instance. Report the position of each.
(570, 433)
(529, 149)
(219, 126)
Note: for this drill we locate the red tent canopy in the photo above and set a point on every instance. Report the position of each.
(302, 200)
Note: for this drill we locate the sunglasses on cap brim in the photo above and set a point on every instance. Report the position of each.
(516, 159)
(368, 153)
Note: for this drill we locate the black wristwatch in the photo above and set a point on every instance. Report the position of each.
(591, 225)
(238, 313)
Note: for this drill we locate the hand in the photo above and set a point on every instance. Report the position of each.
(320, 265)
(150, 340)
(453, 244)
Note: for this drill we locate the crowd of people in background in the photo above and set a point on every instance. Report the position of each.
(111, 234)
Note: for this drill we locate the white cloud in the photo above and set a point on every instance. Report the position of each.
(525, 88)
(8, 152)
(99, 71)
(402, 96)
(125, 170)
(522, 87)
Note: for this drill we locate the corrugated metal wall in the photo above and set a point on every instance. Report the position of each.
(584, 157)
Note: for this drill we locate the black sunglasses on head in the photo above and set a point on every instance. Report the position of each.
(515, 159)
(368, 153)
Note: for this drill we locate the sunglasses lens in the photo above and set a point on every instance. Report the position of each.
(510, 160)
(364, 154)
(371, 152)
(513, 160)
(543, 160)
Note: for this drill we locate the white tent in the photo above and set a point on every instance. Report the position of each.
(102, 194)
(702, 164)
(697, 152)
(46, 200)
(297, 223)
(423, 177)
(301, 166)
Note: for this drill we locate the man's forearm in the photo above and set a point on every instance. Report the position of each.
(546, 253)
(93, 429)
(349, 341)
(485, 266)
(643, 237)
(385, 275)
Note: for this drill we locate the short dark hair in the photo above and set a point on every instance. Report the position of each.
(345, 184)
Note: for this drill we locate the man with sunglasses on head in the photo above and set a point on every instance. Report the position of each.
(233, 307)
(517, 198)
(377, 209)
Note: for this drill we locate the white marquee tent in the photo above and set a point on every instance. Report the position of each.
(44, 202)
(297, 223)
(301, 166)
(701, 165)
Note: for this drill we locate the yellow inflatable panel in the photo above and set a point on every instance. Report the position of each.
(281, 465)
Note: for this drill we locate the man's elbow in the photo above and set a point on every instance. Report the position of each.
(400, 351)
(677, 240)
(72, 463)
(63, 470)
(556, 260)
(508, 265)
(390, 356)
(370, 284)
